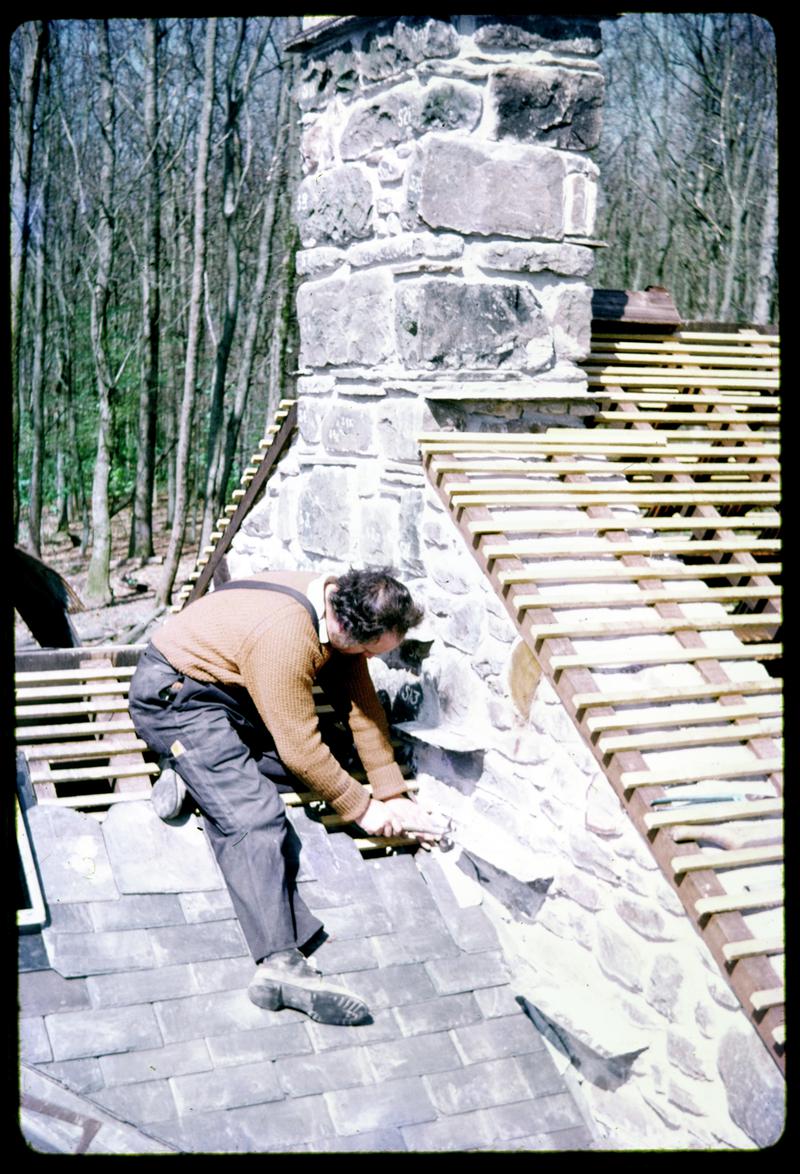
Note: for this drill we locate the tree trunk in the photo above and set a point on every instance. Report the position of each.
(173, 555)
(35, 37)
(37, 396)
(98, 584)
(141, 540)
(762, 311)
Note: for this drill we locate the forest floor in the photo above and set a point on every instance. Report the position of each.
(133, 586)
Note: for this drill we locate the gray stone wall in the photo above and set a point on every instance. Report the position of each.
(446, 218)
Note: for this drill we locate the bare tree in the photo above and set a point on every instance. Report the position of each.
(173, 554)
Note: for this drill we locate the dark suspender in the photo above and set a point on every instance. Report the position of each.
(298, 595)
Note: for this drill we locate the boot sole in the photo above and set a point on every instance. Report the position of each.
(324, 1006)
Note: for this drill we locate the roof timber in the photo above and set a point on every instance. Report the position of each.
(463, 470)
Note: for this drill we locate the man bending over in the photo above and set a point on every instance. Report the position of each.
(224, 694)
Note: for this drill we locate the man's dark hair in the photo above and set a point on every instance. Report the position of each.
(369, 603)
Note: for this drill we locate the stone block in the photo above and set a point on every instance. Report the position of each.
(556, 107)
(580, 203)
(323, 514)
(44, 992)
(73, 955)
(494, 1082)
(260, 1044)
(618, 957)
(569, 310)
(226, 1088)
(645, 919)
(445, 324)
(137, 912)
(347, 428)
(156, 1063)
(439, 1014)
(492, 188)
(468, 973)
(149, 856)
(449, 106)
(77, 1034)
(213, 1014)
(406, 246)
(140, 1103)
(305, 1075)
(71, 855)
(313, 262)
(755, 1089)
(380, 529)
(197, 943)
(390, 1104)
(465, 628)
(397, 45)
(34, 1044)
(664, 986)
(408, 544)
(683, 1055)
(215, 905)
(140, 986)
(346, 321)
(556, 34)
(511, 1035)
(566, 260)
(335, 206)
(80, 1076)
(382, 123)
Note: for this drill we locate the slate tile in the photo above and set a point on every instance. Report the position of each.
(467, 1131)
(215, 905)
(472, 930)
(405, 894)
(81, 1076)
(31, 953)
(497, 1001)
(139, 1103)
(136, 911)
(330, 1035)
(497, 1038)
(156, 1063)
(468, 972)
(544, 1114)
(34, 1043)
(76, 918)
(359, 920)
(294, 1124)
(415, 945)
(564, 1139)
(222, 974)
(494, 1082)
(438, 1014)
(227, 1088)
(321, 896)
(43, 992)
(391, 986)
(414, 1056)
(140, 986)
(264, 1043)
(197, 943)
(542, 1075)
(150, 856)
(203, 1133)
(71, 855)
(390, 1104)
(341, 957)
(346, 854)
(376, 1141)
(75, 954)
(301, 1076)
(208, 1015)
(76, 1034)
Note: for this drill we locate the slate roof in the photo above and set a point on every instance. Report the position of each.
(136, 1033)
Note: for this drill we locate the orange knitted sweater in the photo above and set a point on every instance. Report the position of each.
(265, 641)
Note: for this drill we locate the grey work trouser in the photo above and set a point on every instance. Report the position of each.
(215, 740)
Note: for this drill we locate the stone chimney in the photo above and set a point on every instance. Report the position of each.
(446, 220)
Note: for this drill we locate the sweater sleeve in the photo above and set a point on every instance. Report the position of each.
(370, 730)
(278, 663)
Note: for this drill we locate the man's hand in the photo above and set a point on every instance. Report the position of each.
(379, 820)
(419, 821)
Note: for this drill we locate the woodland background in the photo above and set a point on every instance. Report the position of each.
(153, 164)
